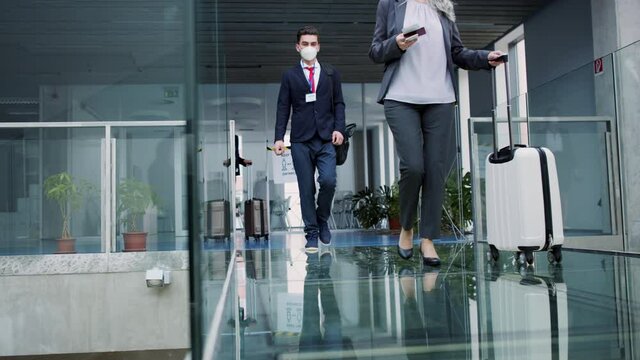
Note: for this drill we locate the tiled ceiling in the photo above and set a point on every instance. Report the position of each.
(142, 41)
(259, 36)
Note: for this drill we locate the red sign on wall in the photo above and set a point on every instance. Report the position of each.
(598, 66)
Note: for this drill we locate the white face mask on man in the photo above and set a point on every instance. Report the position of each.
(309, 53)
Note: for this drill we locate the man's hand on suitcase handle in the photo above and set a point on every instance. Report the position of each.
(495, 58)
(278, 147)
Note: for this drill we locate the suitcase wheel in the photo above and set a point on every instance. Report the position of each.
(529, 257)
(266, 238)
(493, 253)
(524, 257)
(555, 255)
(246, 237)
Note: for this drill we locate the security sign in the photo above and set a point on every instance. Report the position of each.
(283, 171)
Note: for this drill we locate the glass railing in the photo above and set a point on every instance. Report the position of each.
(92, 187)
(573, 116)
(627, 65)
(44, 198)
(151, 159)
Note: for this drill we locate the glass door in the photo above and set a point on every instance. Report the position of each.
(149, 187)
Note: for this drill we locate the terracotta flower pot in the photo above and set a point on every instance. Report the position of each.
(66, 246)
(394, 224)
(135, 241)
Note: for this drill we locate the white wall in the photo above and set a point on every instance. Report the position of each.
(605, 23)
(628, 65)
(616, 26)
(78, 313)
(629, 26)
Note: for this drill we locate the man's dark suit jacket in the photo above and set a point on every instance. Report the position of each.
(389, 23)
(323, 116)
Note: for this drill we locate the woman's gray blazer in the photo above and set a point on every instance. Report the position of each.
(389, 23)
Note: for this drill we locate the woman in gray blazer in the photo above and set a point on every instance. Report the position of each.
(418, 93)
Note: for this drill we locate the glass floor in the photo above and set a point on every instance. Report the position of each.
(360, 300)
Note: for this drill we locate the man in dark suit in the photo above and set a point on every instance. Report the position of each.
(239, 159)
(314, 93)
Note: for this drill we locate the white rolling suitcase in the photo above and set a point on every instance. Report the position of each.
(522, 197)
(529, 318)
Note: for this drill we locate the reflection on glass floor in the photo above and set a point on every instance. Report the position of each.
(362, 301)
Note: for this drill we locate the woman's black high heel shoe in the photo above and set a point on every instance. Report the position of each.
(431, 261)
(405, 253)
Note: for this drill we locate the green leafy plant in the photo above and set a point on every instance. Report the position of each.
(62, 189)
(453, 199)
(373, 206)
(384, 194)
(134, 198)
(394, 201)
(369, 207)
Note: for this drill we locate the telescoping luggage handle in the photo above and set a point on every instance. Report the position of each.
(249, 180)
(494, 100)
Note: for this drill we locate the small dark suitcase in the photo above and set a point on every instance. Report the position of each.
(255, 219)
(256, 223)
(217, 219)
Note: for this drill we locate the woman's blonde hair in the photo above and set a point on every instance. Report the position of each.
(446, 7)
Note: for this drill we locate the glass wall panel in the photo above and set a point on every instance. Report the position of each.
(506, 290)
(115, 102)
(71, 70)
(586, 200)
(253, 107)
(247, 105)
(576, 112)
(579, 130)
(48, 46)
(284, 199)
(628, 77)
(52, 181)
(150, 190)
(209, 151)
(581, 153)
(72, 62)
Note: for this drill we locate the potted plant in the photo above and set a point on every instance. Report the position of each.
(134, 198)
(62, 189)
(368, 208)
(391, 196)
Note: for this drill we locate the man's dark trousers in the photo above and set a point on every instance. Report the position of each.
(307, 156)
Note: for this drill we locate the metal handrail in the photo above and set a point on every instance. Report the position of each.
(91, 124)
(212, 341)
(545, 119)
